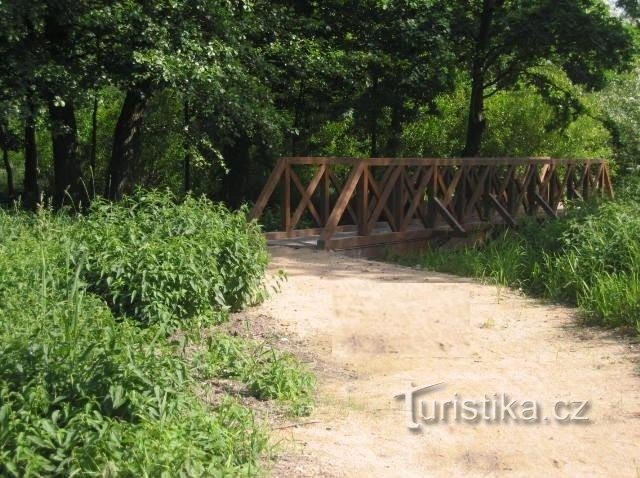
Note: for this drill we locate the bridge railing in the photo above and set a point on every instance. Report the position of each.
(350, 202)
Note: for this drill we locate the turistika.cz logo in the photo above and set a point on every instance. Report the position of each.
(495, 408)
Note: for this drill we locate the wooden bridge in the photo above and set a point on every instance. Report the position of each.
(347, 203)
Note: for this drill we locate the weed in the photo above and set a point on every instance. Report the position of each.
(269, 374)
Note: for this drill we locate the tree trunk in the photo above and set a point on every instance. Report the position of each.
(477, 122)
(11, 189)
(6, 139)
(392, 149)
(187, 148)
(94, 136)
(67, 172)
(375, 111)
(126, 143)
(31, 190)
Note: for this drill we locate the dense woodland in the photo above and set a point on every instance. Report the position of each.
(99, 96)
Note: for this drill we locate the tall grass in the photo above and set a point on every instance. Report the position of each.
(90, 385)
(590, 258)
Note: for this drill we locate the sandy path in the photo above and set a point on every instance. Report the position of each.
(375, 329)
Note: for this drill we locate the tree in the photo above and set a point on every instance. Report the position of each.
(18, 48)
(9, 141)
(500, 40)
(406, 57)
(47, 64)
(144, 47)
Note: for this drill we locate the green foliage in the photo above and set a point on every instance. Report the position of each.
(520, 123)
(158, 261)
(84, 393)
(620, 103)
(337, 139)
(439, 132)
(269, 374)
(590, 258)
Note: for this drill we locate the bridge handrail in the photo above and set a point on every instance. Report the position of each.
(411, 195)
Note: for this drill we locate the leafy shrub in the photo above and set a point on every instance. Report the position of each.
(269, 374)
(84, 393)
(159, 261)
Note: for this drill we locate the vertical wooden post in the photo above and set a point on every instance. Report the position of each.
(286, 200)
(586, 182)
(363, 203)
(486, 188)
(532, 190)
(326, 195)
(340, 206)
(399, 198)
(462, 196)
(433, 193)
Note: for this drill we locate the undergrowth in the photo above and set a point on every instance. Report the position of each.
(269, 373)
(89, 383)
(590, 258)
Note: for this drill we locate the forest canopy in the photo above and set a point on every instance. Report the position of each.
(98, 97)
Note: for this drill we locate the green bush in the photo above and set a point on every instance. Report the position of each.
(159, 261)
(84, 393)
(89, 382)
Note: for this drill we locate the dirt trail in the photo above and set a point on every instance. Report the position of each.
(375, 329)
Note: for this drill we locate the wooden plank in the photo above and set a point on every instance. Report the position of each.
(448, 196)
(374, 187)
(417, 198)
(399, 198)
(300, 233)
(446, 214)
(363, 203)
(286, 199)
(479, 189)
(525, 189)
(267, 191)
(307, 194)
(383, 197)
(326, 193)
(422, 161)
(609, 185)
(508, 218)
(339, 187)
(545, 205)
(411, 188)
(342, 202)
(375, 239)
(585, 183)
